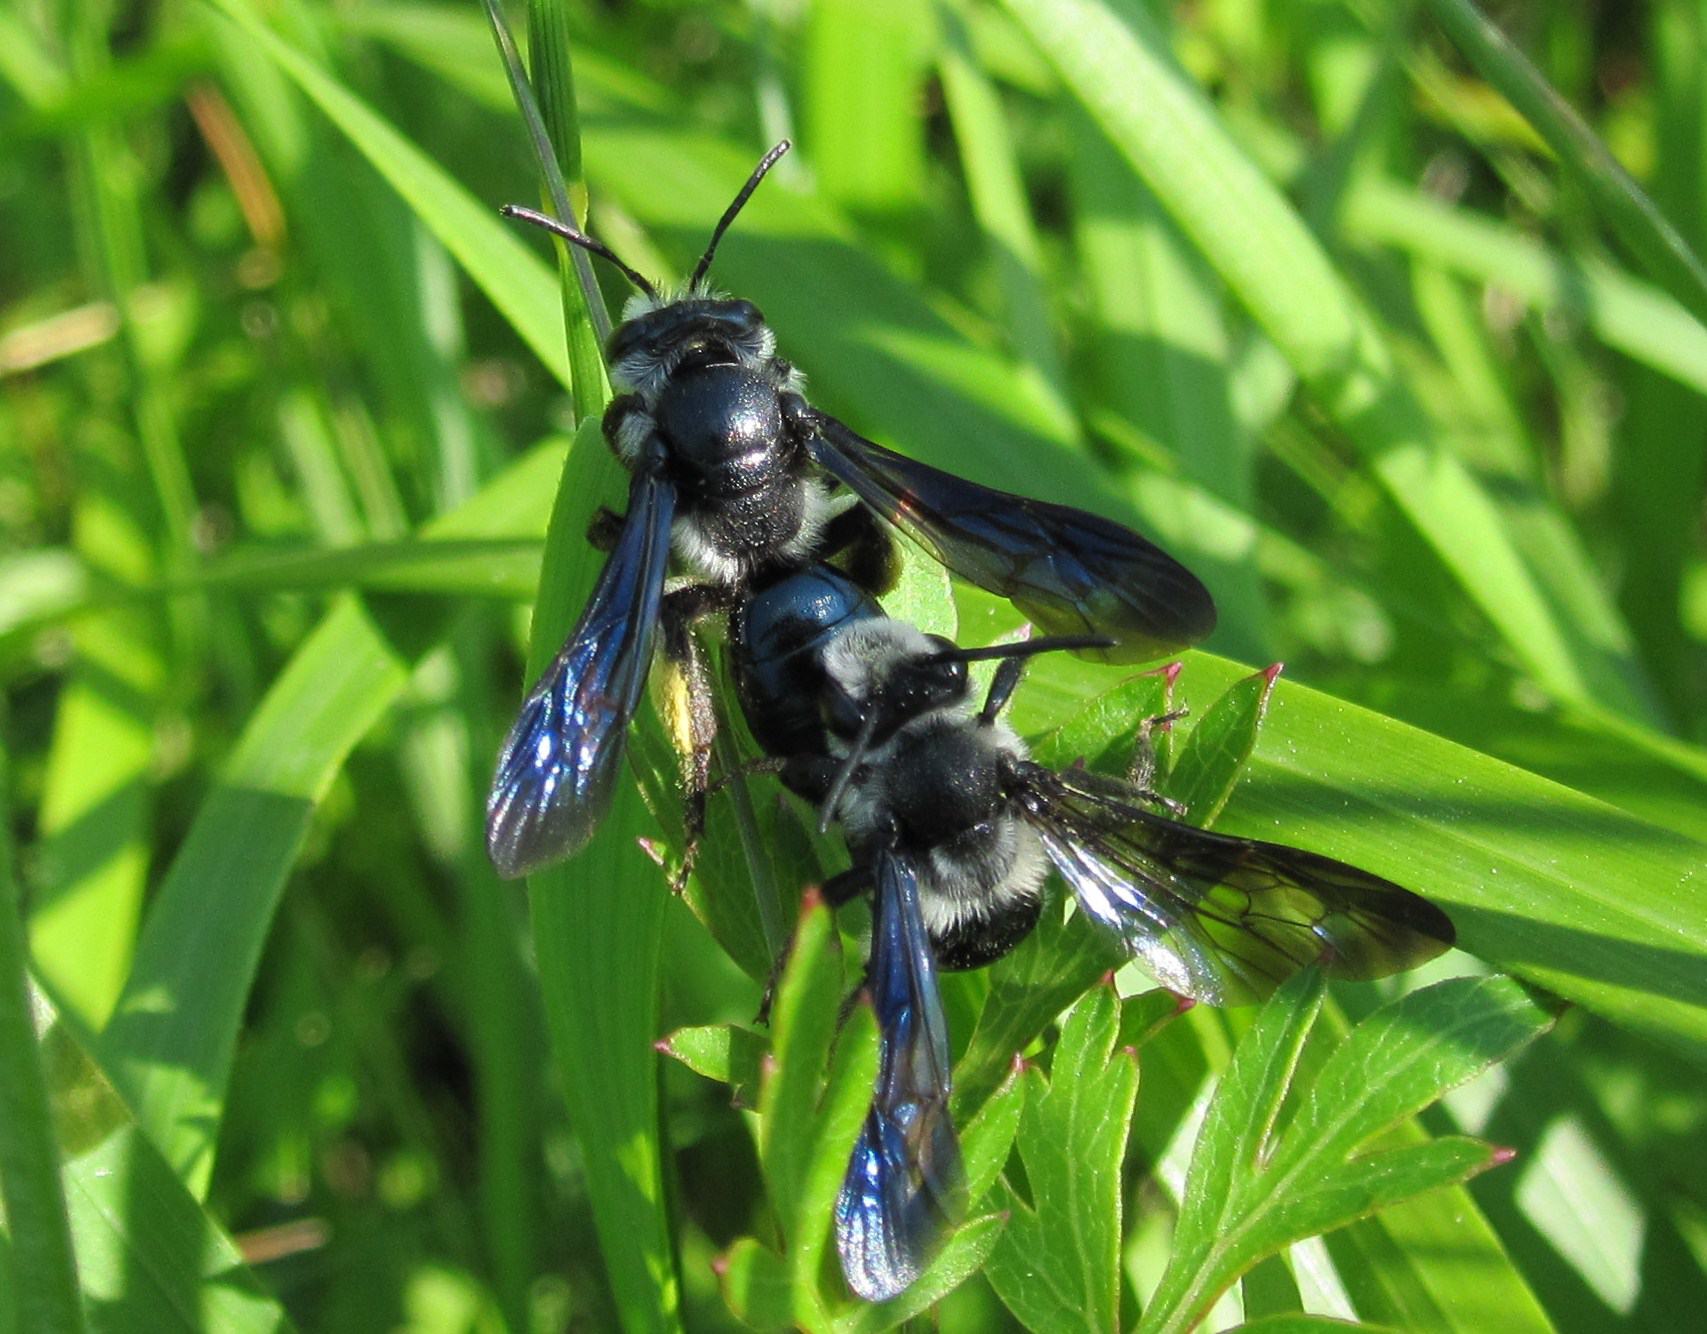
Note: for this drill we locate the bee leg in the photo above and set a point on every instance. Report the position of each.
(690, 711)
(603, 529)
(1141, 773)
(868, 553)
(839, 889)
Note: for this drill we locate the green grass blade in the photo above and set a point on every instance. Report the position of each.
(997, 194)
(148, 1255)
(1126, 79)
(598, 925)
(169, 1045)
(1626, 313)
(41, 1260)
(1636, 219)
(514, 281)
(95, 817)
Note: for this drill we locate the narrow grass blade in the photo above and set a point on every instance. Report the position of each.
(518, 284)
(95, 820)
(1636, 219)
(1128, 82)
(42, 1264)
(148, 1255)
(169, 1045)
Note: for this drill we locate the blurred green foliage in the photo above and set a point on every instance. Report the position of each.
(1396, 347)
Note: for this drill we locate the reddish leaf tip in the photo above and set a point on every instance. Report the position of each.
(811, 899)
(1271, 673)
(1183, 1003)
(662, 1045)
(720, 1266)
(652, 848)
(1107, 979)
(1500, 1154)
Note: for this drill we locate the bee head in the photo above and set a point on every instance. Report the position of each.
(664, 330)
(663, 334)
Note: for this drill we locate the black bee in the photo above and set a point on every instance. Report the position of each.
(744, 480)
(953, 830)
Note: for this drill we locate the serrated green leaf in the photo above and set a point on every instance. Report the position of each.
(1051, 966)
(1057, 1265)
(728, 1053)
(988, 1137)
(757, 1286)
(1250, 1192)
(1216, 750)
(1103, 730)
(834, 1126)
(803, 1026)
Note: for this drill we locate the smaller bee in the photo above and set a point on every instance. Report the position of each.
(953, 829)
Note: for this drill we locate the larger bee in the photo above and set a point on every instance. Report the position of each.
(953, 829)
(738, 475)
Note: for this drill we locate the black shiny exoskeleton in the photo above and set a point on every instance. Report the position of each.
(953, 829)
(743, 480)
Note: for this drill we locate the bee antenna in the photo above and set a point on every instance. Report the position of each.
(765, 164)
(573, 235)
(1023, 648)
(844, 775)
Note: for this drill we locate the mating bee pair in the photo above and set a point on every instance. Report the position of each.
(951, 826)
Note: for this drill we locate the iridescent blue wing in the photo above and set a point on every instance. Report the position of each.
(1224, 920)
(904, 1185)
(1069, 571)
(555, 772)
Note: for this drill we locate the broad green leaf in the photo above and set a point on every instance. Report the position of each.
(1057, 1264)
(962, 1256)
(598, 925)
(1578, 896)
(1302, 1323)
(1253, 1190)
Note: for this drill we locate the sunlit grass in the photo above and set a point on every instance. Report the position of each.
(1413, 382)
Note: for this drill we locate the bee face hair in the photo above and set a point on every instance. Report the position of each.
(661, 331)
